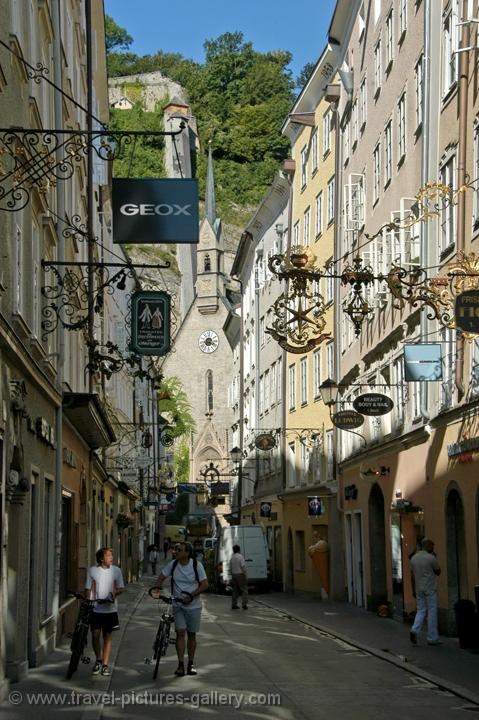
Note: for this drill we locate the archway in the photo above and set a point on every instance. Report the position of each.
(377, 549)
(456, 550)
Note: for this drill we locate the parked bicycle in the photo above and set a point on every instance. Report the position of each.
(162, 638)
(80, 633)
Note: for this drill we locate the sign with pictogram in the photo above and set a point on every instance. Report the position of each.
(150, 322)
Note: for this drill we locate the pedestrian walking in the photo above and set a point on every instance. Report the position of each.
(424, 572)
(166, 546)
(239, 574)
(187, 576)
(153, 558)
(104, 581)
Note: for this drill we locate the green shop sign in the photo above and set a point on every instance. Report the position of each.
(150, 322)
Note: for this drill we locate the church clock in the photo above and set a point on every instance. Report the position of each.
(208, 341)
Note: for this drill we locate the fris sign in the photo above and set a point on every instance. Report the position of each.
(151, 210)
(466, 311)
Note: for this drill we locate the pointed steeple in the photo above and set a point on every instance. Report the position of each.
(210, 200)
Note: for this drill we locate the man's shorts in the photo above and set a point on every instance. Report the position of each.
(107, 622)
(188, 620)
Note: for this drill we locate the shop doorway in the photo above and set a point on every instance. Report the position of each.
(354, 558)
(277, 556)
(397, 566)
(377, 548)
(456, 549)
(290, 564)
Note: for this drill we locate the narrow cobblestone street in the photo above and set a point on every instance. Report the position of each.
(263, 662)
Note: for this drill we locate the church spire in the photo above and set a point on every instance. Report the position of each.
(210, 200)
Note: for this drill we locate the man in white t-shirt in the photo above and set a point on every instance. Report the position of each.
(188, 581)
(104, 581)
(239, 574)
(424, 572)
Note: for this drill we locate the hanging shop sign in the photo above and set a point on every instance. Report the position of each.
(422, 362)
(466, 311)
(152, 210)
(315, 506)
(373, 404)
(219, 488)
(468, 445)
(265, 441)
(150, 322)
(347, 419)
(265, 509)
(129, 475)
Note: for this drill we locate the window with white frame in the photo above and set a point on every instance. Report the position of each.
(377, 172)
(292, 387)
(329, 455)
(355, 123)
(317, 373)
(377, 10)
(262, 336)
(361, 22)
(377, 68)
(36, 272)
(279, 380)
(448, 210)
(402, 18)
(346, 143)
(389, 41)
(329, 295)
(449, 48)
(474, 382)
(261, 394)
(415, 392)
(273, 382)
(296, 233)
(331, 200)
(418, 76)
(401, 110)
(306, 224)
(304, 166)
(326, 132)
(330, 360)
(292, 463)
(475, 201)
(318, 214)
(398, 382)
(363, 92)
(388, 153)
(304, 462)
(448, 337)
(304, 380)
(19, 264)
(267, 398)
(314, 151)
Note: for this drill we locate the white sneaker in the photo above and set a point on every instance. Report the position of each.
(96, 668)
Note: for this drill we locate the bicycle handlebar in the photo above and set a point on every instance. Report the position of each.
(168, 599)
(80, 596)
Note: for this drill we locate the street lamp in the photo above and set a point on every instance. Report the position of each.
(237, 457)
(329, 392)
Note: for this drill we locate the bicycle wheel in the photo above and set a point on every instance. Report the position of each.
(77, 646)
(159, 645)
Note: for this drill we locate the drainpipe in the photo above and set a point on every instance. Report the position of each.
(60, 194)
(461, 176)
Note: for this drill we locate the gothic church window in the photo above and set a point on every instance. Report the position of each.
(207, 263)
(209, 391)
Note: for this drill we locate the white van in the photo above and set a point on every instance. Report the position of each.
(254, 548)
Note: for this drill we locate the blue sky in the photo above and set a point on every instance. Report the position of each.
(184, 25)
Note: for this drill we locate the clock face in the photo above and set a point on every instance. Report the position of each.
(208, 341)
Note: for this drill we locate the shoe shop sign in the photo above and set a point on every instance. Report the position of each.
(150, 210)
(150, 322)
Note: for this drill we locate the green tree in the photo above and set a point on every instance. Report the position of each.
(305, 74)
(116, 37)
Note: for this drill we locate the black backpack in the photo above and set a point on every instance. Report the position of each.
(195, 568)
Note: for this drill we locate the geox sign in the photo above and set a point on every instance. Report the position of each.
(155, 211)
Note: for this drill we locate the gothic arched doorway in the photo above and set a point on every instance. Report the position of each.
(377, 549)
(456, 550)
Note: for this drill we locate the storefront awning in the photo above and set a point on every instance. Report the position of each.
(86, 413)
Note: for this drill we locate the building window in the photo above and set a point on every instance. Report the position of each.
(329, 455)
(300, 550)
(331, 200)
(48, 527)
(317, 373)
(346, 143)
(388, 153)
(209, 391)
(419, 91)
(207, 263)
(474, 383)
(398, 382)
(304, 166)
(377, 172)
(19, 264)
(292, 387)
(329, 281)
(296, 233)
(401, 128)
(326, 132)
(314, 151)
(318, 214)
(363, 104)
(36, 300)
(389, 42)
(361, 22)
(262, 336)
(267, 398)
(273, 384)
(355, 123)
(279, 380)
(448, 211)
(377, 69)
(330, 360)
(306, 222)
(304, 381)
(449, 48)
(402, 19)
(448, 337)
(475, 209)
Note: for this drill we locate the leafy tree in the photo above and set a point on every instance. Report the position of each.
(173, 399)
(144, 157)
(116, 36)
(305, 74)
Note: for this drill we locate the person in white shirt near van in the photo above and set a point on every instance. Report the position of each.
(239, 574)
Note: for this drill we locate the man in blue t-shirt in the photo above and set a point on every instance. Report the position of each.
(187, 576)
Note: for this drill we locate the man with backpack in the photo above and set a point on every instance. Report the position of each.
(188, 581)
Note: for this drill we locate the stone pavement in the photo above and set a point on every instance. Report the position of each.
(447, 664)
